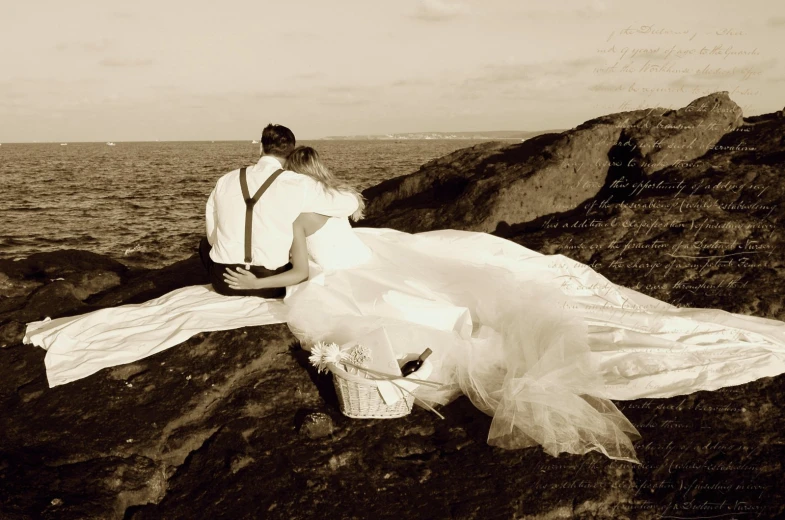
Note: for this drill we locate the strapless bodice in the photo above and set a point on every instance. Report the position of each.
(336, 246)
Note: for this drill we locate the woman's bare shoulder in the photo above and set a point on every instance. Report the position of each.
(311, 222)
(307, 218)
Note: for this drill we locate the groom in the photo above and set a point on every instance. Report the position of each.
(250, 213)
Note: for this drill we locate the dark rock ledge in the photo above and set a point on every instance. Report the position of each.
(219, 426)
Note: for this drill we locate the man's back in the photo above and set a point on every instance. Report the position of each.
(288, 196)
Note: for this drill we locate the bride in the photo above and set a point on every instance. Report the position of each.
(540, 343)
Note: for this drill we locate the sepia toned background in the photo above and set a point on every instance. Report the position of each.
(92, 70)
(462, 95)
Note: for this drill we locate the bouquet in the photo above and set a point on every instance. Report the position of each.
(354, 359)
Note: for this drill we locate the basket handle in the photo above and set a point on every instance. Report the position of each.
(390, 377)
(421, 401)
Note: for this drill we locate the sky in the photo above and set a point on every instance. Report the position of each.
(102, 70)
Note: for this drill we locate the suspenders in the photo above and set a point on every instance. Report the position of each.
(249, 204)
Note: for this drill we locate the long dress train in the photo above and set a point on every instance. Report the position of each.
(539, 342)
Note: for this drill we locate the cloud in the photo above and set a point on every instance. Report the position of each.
(277, 94)
(400, 83)
(776, 21)
(86, 46)
(32, 88)
(571, 8)
(727, 73)
(593, 8)
(524, 80)
(439, 10)
(347, 101)
(308, 75)
(123, 62)
(368, 92)
(349, 89)
(346, 94)
(516, 72)
(181, 96)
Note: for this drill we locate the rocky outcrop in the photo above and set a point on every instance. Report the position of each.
(491, 184)
(704, 232)
(236, 424)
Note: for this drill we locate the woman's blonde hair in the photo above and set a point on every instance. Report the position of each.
(305, 160)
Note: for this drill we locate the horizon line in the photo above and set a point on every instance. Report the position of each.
(323, 138)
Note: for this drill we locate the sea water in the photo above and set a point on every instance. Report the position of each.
(143, 202)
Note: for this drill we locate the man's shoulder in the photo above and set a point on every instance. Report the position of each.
(291, 178)
(287, 179)
(229, 175)
(294, 176)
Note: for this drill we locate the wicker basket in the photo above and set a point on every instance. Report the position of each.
(360, 397)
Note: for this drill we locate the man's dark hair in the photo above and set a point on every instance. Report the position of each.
(277, 140)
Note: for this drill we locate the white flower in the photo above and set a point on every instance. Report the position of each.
(333, 354)
(322, 355)
(317, 357)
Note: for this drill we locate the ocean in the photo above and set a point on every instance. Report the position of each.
(142, 203)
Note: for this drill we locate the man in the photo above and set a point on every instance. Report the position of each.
(257, 234)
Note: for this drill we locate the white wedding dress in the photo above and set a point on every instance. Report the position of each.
(541, 343)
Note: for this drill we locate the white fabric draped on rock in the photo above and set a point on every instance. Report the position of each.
(79, 346)
(539, 342)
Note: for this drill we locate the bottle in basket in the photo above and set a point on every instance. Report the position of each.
(415, 364)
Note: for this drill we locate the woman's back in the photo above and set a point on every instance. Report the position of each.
(332, 243)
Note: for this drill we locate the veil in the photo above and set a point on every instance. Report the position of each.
(513, 346)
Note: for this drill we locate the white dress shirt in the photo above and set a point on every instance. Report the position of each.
(288, 196)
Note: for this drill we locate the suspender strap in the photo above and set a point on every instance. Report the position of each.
(249, 204)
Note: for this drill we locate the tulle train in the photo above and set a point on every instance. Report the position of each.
(523, 358)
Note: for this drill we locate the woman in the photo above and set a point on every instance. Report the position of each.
(306, 160)
(538, 342)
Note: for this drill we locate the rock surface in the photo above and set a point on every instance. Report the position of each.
(491, 184)
(218, 426)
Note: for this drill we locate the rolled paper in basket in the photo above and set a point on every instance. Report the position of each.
(390, 394)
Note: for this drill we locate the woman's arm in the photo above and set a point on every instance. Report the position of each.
(243, 279)
(211, 218)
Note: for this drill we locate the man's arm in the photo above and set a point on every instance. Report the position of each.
(326, 202)
(210, 218)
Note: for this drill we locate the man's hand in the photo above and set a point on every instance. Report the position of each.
(241, 280)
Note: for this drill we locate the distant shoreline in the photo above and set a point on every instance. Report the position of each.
(352, 138)
(491, 135)
(360, 138)
(498, 135)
